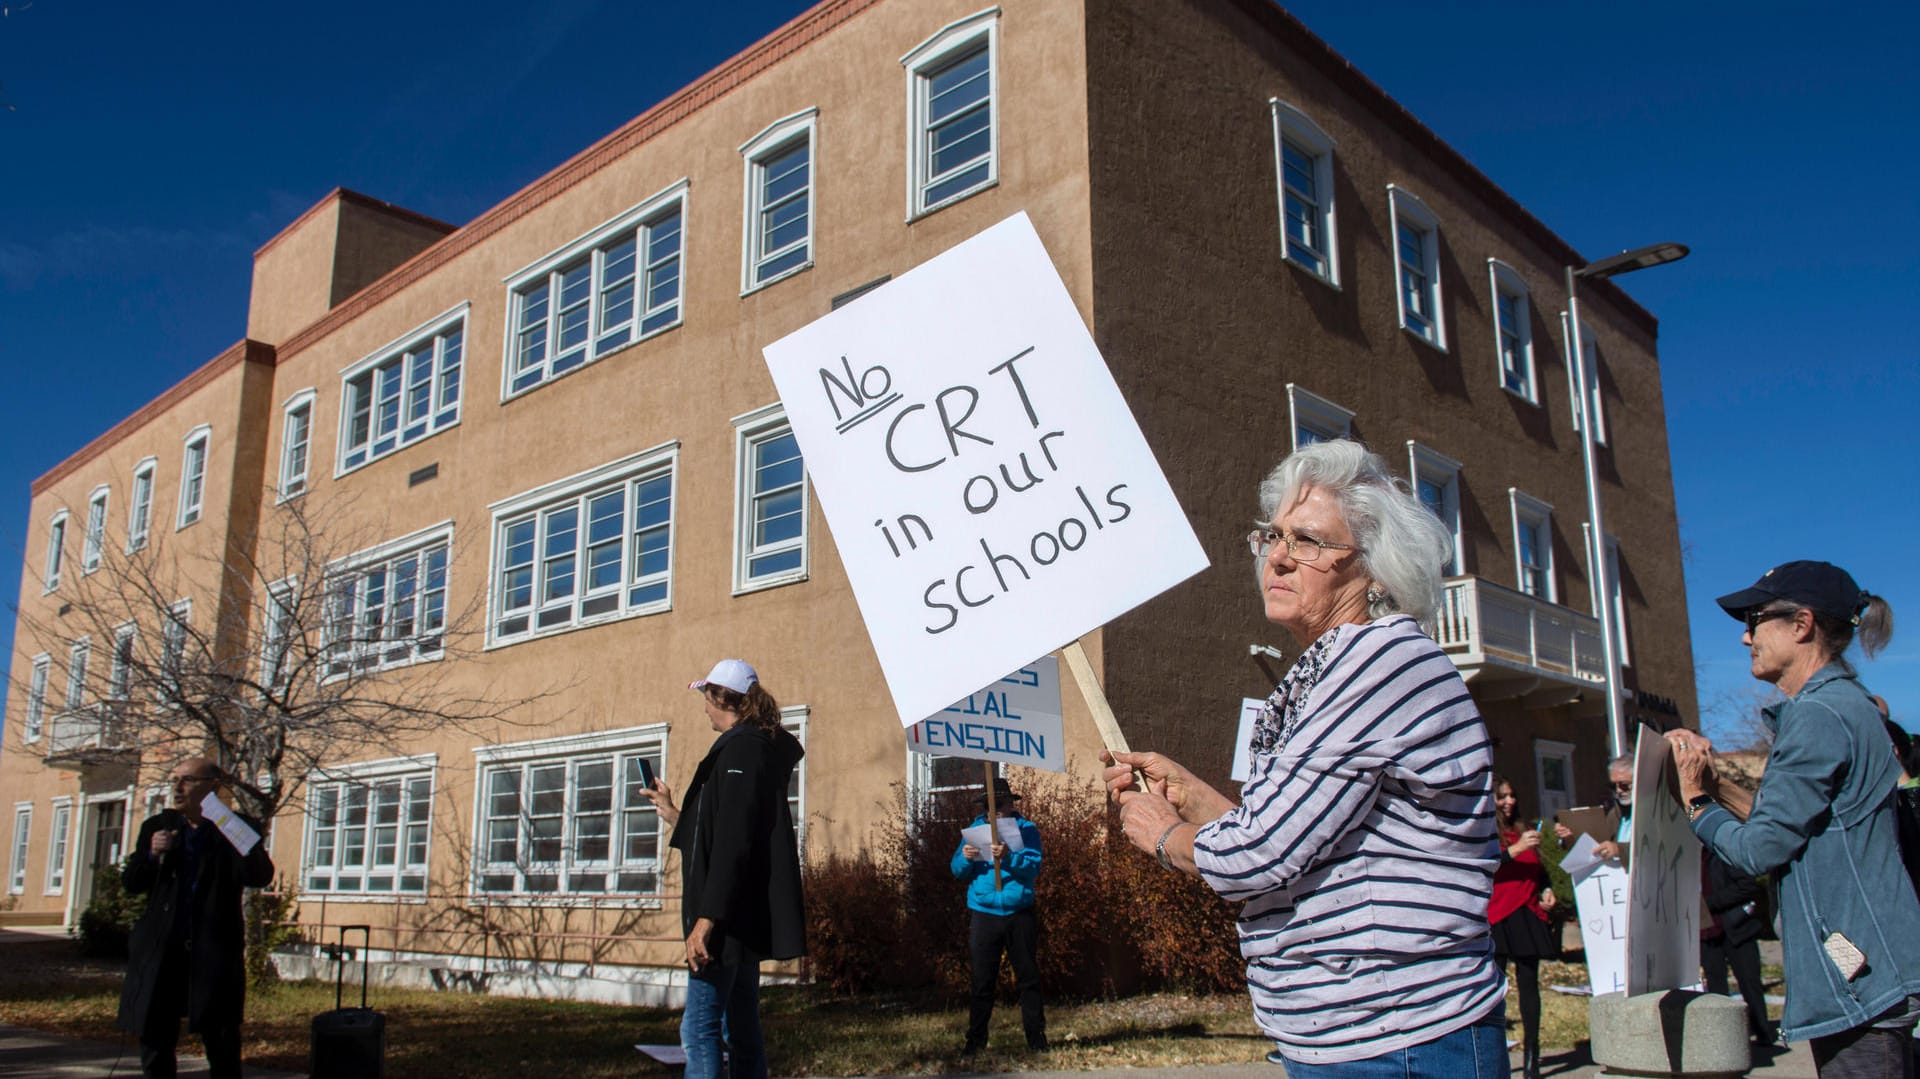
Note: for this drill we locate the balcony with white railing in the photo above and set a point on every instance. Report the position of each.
(94, 734)
(1496, 634)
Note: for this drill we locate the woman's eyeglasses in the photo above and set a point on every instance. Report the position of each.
(1299, 548)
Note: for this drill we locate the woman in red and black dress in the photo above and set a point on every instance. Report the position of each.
(1522, 896)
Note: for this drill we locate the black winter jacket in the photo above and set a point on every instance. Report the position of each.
(739, 864)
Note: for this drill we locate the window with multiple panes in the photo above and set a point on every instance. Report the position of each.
(57, 837)
(96, 535)
(619, 284)
(779, 217)
(1303, 158)
(36, 717)
(140, 510)
(1436, 482)
(388, 606)
(794, 719)
(367, 832)
(403, 393)
(567, 816)
(120, 670)
(944, 790)
(1512, 330)
(279, 631)
(193, 476)
(1532, 545)
(952, 84)
(56, 549)
(1589, 352)
(173, 639)
(770, 545)
(296, 435)
(77, 657)
(1614, 587)
(587, 549)
(1316, 419)
(1416, 245)
(22, 834)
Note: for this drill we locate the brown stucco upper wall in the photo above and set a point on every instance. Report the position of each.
(374, 238)
(293, 274)
(1205, 324)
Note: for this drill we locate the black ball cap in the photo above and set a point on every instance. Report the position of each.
(1821, 587)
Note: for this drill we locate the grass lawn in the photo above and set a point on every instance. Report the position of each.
(48, 987)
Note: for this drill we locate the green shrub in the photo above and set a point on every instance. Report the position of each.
(271, 924)
(108, 919)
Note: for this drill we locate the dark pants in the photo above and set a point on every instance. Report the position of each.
(1017, 935)
(1716, 956)
(1526, 984)
(162, 1035)
(1882, 1049)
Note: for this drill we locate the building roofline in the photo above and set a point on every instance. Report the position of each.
(343, 194)
(805, 28)
(1344, 74)
(240, 351)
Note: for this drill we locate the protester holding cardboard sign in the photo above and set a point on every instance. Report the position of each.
(1364, 847)
(1823, 822)
(999, 881)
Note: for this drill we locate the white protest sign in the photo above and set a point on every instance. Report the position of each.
(1600, 897)
(1663, 893)
(238, 832)
(990, 493)
(1250, 708)
(1016, 720)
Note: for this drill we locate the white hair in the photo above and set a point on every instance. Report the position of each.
(1403, 547)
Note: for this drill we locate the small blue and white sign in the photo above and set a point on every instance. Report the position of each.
(1016, 720)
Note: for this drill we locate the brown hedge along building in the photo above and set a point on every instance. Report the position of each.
(554, 481)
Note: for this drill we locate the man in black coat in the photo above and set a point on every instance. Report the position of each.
(186, 955)
(1737, 903)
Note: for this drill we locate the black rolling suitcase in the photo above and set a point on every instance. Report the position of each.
(349, 1042)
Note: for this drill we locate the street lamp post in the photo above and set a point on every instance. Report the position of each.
(1589, 391)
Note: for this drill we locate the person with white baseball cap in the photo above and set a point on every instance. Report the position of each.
(741, 900)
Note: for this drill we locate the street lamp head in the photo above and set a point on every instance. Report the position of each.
(1637, 259)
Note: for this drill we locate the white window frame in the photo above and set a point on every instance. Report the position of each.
(648, 319)
(276, 627)
(140, 504)
(56, 551)
(1545, 749)
(398, 773)
(196, 446)
(1619, 591)
(920, 785)
(774, 141)
(444, 342)
(1315, 414)
(1404, 208)
(120, 665)
(1590, 352)
(59, 843)
(750, 430)
(94, 543)
(17, 853)
(1429, 464)
(796, 718)
(294, 472)
(1290, 125)
(34, 723)
(1503, 281)
(426, 643)
(570, 752)
(952, 43)
(79, 657)
(625, 475)
(1529, 511)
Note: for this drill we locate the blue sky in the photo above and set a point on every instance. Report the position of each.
(150, 148)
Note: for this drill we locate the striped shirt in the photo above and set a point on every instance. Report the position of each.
(1364, 848)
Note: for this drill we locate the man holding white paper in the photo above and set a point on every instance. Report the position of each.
(186, 954)
(999, 859)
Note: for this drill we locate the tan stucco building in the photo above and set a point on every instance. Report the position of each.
(556, 417)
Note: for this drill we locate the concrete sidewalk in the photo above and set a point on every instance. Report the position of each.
(26, 1052)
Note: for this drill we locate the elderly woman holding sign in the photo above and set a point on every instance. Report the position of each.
(1364, 845)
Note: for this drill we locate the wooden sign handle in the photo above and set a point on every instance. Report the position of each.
(993, 824)
(1096, 699)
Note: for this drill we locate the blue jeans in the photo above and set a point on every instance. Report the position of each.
(1474, 1052)
(722, 1024)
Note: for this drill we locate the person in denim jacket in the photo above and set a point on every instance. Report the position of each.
(1823, 821)
(1001, 907)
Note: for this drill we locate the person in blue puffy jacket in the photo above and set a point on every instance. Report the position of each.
(1003, 921)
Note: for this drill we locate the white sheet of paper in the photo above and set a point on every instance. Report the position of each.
(1580, 858)
(990, 492)
(665, 1054)
(980, 838)
(1010, 833)
(237, 831)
